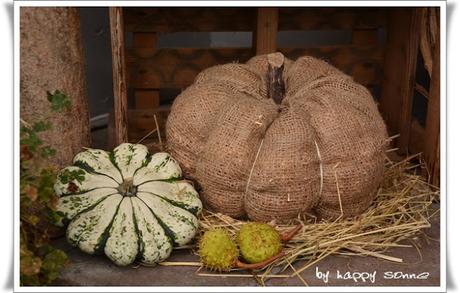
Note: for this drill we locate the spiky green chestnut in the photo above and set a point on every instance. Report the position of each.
(217, 250)
(258, 242)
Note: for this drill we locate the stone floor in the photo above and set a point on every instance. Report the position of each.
(87, 270)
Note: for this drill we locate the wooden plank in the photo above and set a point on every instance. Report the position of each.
(144, 40)
(177, 68)
(432, 136)
(154, 19)
(146, 99)
(417, 137)
(364, 37)
(364, 63)
(428, 36)
(399, 72)
(207, 19)
(266, 30)
(422, 90)
(111, 144)
(119, 75)
(331, 18)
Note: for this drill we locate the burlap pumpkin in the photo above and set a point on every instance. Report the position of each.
(320, 150)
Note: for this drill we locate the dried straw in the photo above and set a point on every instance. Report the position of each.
(402, 208)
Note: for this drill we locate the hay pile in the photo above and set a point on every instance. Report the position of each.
(401, 210)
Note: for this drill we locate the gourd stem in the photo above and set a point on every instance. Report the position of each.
(288, 236)
(276, 88)
(259, 265)
(126, 188)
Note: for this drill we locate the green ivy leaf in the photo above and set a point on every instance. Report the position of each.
(55, 217)
(41, 125)
(53, 263)
(44, 249)
(32, 141)
(59, 101)
(47, 152)
(45, 186)
(24, 129)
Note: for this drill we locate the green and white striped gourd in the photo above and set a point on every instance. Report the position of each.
(127, 203)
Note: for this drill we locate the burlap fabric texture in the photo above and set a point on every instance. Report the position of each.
(321, 150)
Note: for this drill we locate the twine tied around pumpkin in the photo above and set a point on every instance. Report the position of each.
(252, 168)
(320, 168)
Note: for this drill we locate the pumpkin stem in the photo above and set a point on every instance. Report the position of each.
(276, 88)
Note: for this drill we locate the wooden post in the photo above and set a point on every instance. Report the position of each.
(146, 98)
(399, 72)
(120, 95)
(266, 32)
(432, 133)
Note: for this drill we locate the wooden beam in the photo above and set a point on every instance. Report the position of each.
(144, 40)
(364, 37)
(149, 68)
(120, 95)
(267, 30)
(432, 136)
(147, 99)
(399, 72)
(189, 19)
(330, 18)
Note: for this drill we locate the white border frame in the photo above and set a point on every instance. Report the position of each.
(441, 4)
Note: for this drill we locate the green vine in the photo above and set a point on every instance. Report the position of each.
(40, 262)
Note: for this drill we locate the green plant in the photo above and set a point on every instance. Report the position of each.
(40, 262)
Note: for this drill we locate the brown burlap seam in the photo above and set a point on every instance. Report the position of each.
(252, 168)
(338, 189)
